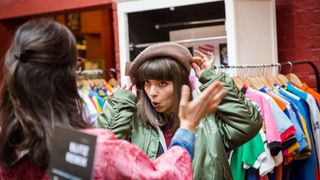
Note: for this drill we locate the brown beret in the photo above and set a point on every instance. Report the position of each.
(173, 50)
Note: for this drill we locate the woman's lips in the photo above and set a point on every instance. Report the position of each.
(155, 104)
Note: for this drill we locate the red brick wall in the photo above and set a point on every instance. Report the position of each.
(298, 33)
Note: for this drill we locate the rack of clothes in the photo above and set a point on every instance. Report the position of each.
(93, 89)
(311, 64)
(288, 145)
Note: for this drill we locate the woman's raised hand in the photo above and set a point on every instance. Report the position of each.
(131, 87)
(202, 62)
(191, 112)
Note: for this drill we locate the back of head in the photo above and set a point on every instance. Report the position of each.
(38, 91)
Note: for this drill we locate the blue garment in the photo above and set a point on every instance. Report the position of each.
(293, 115)
(302, 169)
(185, 139)
(314, 115)
(286, 112)
(300, 103)
(299, 134)
(296, 91)
(282, 120)
(100, 100)
(252, 174)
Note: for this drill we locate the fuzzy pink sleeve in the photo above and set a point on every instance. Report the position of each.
(119, 159)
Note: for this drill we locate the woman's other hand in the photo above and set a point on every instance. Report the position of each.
(202, 62)
(191, 113)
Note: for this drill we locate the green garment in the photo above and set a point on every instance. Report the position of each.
(251, 153)
(235, 122)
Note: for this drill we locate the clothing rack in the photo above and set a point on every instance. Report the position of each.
(313, 66)
(143, 45)
(248, 66)
(168, 25)
(90, 72)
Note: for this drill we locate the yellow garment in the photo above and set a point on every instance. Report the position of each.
(84, 90)
(305, 130)
(109, 87)
(291, 153)
(96, 103)
(93, 99)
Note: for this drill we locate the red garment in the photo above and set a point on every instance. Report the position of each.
(117, 159)
(167, 135)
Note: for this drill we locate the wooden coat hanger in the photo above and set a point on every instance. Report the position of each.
(293, 78)
(238, 81)
(281, 78)
(273, 80)
(266, 80)
(255, 83)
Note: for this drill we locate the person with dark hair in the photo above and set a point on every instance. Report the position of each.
(39, 91)
(158, 74)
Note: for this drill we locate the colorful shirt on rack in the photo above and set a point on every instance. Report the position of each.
(90, 112)
(268, 164)
(314, 115)
(314, 93)
(299, 134)
(284, 125)
(250, 154)
(273, 136)
(307, 168)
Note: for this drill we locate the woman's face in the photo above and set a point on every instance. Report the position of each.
(160, 94)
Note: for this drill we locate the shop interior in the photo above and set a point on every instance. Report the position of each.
(93, 30)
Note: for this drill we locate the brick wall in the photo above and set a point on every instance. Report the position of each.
(298, 33)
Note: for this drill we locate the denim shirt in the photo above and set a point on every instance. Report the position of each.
(185, 139)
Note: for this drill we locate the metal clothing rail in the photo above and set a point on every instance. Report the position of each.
(97, 71)
(90, 72)
(313, 66)
(248, 66)
(160, 26)
(179, 41)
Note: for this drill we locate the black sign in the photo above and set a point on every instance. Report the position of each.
(72, 156)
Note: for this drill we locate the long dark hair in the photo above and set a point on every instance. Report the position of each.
(38, 91)
(162, 68)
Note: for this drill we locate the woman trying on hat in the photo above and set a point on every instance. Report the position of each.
(150, 118)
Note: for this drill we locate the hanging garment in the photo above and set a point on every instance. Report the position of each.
(314, 93)
(273, 136)
(314, 115)
(90, 112)
(250, 154)
(307, 168)
(284, 125)
(299, 134)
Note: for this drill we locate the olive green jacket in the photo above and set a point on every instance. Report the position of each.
(235, 122)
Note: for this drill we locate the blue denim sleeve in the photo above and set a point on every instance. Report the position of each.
(185, 139)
